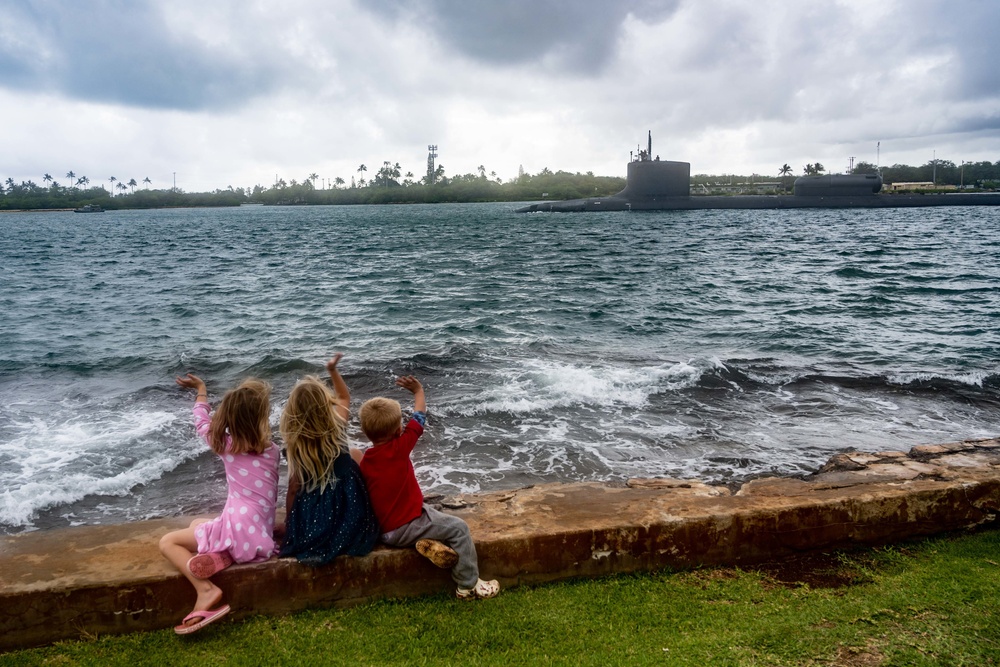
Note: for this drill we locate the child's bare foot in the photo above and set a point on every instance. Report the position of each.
(208, 599)
(208, 602)
(440, 554)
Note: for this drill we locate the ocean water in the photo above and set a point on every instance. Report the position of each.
(719, 345)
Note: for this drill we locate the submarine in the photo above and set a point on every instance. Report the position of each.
(665, 185)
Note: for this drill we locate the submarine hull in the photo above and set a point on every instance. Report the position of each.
(616, 203)
(655, 185)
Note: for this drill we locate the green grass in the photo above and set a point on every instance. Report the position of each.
(929, 603)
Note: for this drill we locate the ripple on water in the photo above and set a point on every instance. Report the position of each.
(713, 344)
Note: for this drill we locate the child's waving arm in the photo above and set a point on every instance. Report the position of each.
(202, 421)
(412, 384)
(339, 387)
(194, 382)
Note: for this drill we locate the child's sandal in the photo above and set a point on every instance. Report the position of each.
(204, 566)
(483, 590)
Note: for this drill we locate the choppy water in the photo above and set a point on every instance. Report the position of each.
(712, 344)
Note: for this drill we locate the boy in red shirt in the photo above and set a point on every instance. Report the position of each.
(396, 496)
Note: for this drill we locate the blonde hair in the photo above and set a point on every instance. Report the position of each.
(380, 418)
(243, 415)
(314, 434)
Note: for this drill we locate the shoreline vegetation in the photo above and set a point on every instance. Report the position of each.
(933, 601)
(388, 186)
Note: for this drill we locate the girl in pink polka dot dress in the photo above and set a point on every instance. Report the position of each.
(240, 433)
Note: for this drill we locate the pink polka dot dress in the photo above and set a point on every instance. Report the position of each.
(246, 527)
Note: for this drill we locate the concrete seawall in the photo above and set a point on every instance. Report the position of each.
(111, 579)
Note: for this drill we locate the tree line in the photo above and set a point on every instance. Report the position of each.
(388, 185)
(982, 175)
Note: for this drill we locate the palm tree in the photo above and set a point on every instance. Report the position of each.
(71, 175)
(121, 186)
(112, 179)
(338, 181)
(361, 171)
(147, 182)
(47, 178)
(83, 180)
(312, 179)
(132, 184)
(785, 172)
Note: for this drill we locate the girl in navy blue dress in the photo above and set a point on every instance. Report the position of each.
(328, 510)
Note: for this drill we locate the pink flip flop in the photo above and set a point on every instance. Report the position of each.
(204, 566)
(206, 618)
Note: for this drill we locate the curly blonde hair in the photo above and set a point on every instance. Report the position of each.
(244, 415)
(314, 434)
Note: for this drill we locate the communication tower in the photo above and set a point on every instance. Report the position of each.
(431, 154)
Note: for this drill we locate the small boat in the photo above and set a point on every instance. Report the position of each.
(89, 208)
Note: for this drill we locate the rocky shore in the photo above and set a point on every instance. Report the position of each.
(111, 579)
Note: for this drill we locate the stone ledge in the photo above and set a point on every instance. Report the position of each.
(111, 579)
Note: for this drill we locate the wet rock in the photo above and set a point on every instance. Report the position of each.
(687, 486)
(841, 463)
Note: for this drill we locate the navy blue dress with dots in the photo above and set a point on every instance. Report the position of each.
(338, 521)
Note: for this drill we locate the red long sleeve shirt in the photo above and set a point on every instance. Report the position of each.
(392, 485)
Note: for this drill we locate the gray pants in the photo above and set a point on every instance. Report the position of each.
(435, 525)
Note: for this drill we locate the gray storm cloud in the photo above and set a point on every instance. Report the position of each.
(236, 92)
(124, 52)
(577, 35)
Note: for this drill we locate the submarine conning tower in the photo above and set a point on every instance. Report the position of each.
(650, 178)
(657, 178)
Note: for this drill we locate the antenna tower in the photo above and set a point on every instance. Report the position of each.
(431, 154)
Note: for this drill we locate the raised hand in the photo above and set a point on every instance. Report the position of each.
(331, 365)
(409, 383)
(191, 381)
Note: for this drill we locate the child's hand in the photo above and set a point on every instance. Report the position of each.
(331, 366)
(409, 383)
(339, 388)
(192, 382)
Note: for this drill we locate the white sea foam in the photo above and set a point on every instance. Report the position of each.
(61, 460)
(492, 321)
(974, 378)
(539, 385)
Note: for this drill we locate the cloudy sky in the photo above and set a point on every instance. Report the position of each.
(237, 92)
